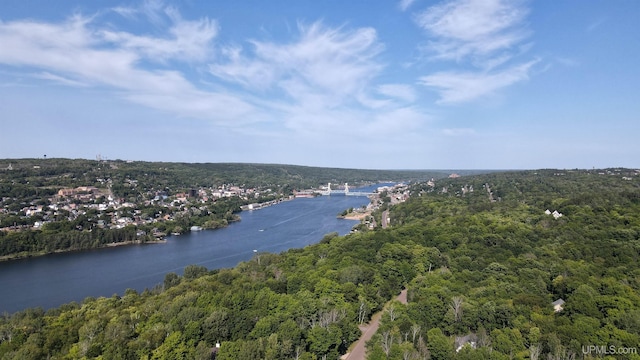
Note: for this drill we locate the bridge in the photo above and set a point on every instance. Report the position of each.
(345, 191)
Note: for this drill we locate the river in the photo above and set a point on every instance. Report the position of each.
(52, 280)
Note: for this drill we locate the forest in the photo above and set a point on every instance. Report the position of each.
(484, 259)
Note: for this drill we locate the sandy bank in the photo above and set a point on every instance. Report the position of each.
(357, 215)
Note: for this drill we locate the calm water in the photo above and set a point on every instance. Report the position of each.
(52, 280)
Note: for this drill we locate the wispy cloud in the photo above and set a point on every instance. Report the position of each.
(481, 36)
(187, 40)
(322, 60)
(456, 87)
(321, 80)
(567, 61)
(596, 24)
(59, 79)
(154, 11)
(405, 4)
(458, 132)
(467, 28)
(80, 51)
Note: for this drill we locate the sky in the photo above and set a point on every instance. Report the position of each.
(397, 84)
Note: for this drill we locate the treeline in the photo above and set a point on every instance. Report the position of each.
(83, 232)
(32, 176)
(26, 243)
(485, 265)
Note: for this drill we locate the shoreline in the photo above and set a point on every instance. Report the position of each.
(133, 242)
(27, 255)
(237, 218)
(262, 205)
(356, 215)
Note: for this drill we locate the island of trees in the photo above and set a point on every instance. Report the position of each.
(512, 265)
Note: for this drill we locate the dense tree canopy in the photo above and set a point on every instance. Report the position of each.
(479, 255)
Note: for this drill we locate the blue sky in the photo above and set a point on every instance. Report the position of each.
(408, 84)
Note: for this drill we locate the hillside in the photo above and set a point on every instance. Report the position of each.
(41, 174)
(480, 256)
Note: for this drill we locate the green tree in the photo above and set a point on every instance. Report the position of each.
(171, 280)
(440, 346)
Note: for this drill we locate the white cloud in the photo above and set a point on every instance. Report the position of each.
(126, 12)
(323, 60)
(467, 28)
(189, 40)
(186, 40)
(249, 72)
(405, 4)
(79, 51)
(59, 79)
(456, 87)
(322, 81)
(482, 37)
(153, 10)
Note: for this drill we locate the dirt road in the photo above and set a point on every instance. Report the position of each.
(358, 352)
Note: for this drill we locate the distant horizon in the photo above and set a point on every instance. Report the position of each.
(327, 167)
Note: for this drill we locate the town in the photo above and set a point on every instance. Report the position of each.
(99, 207)
(135, 209)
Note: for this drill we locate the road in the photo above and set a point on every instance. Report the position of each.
(359, 351)
(385, 219)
